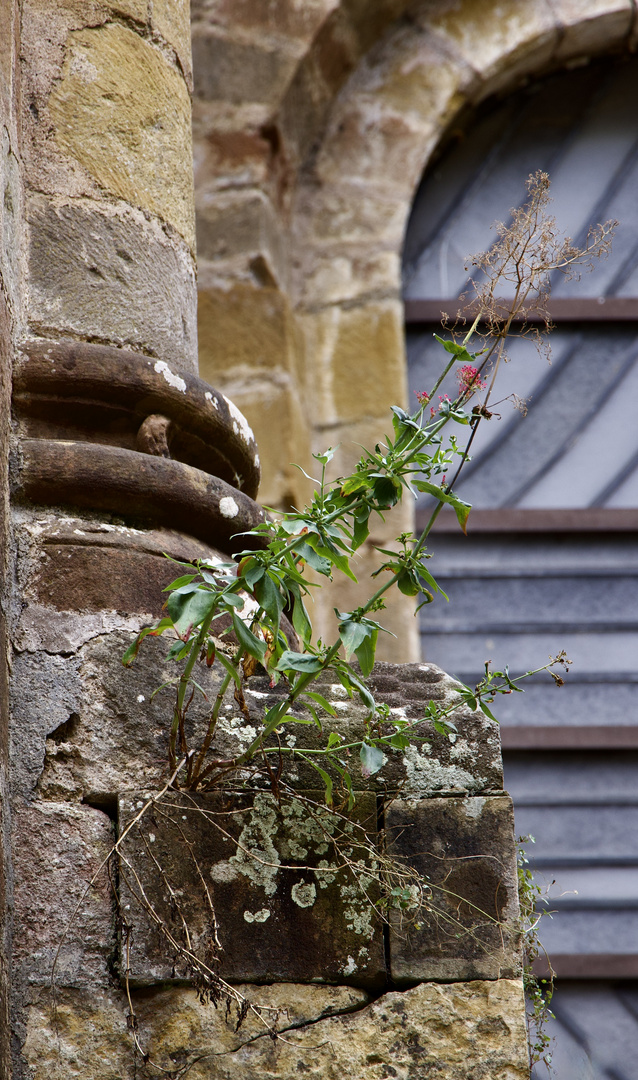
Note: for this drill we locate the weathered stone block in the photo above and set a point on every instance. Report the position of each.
(492, 41)
(359, 361)
(123, 112)
(226, 70)
(257, 18)
(58, 848)
(240, 223)
(112, 275)
(460, 1031)
(465, 849)
(591, 26)
(270, 880)
(244, 327)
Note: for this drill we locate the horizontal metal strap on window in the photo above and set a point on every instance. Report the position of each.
(515, 520)
(572, 737)
(592, 309)
(590, 965)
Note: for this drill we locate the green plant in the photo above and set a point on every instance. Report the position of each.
(269, 577)
(230, 616)
(539, 990)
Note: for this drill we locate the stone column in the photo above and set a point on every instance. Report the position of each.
(119, 455)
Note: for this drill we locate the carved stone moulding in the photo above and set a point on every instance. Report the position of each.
(109, 430)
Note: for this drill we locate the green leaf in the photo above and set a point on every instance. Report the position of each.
(372, 759)
(461, 508)
(247, 640)
(177, 584)
(488, 713)
(366, 651)
(190, 609)
(408, 583)
(387, 492)
(352, 634)
(309, 555)
(458, 351)
(327, 780)
(356, 482)
(230, 668)
(253, 573)
(334, 740)
(360, 529)
(321, 701)
(340, 561)
(148, 631)
(179, 649)
(399, 742)
(307, 663)
(269, 597)
(300, 619)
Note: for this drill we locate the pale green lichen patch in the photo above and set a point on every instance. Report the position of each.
(257, 857)
(303, 894)
(427, 775)
(257, 916)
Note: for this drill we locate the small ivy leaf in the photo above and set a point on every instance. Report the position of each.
(372, 759)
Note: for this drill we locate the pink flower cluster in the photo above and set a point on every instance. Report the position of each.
(469, 380)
